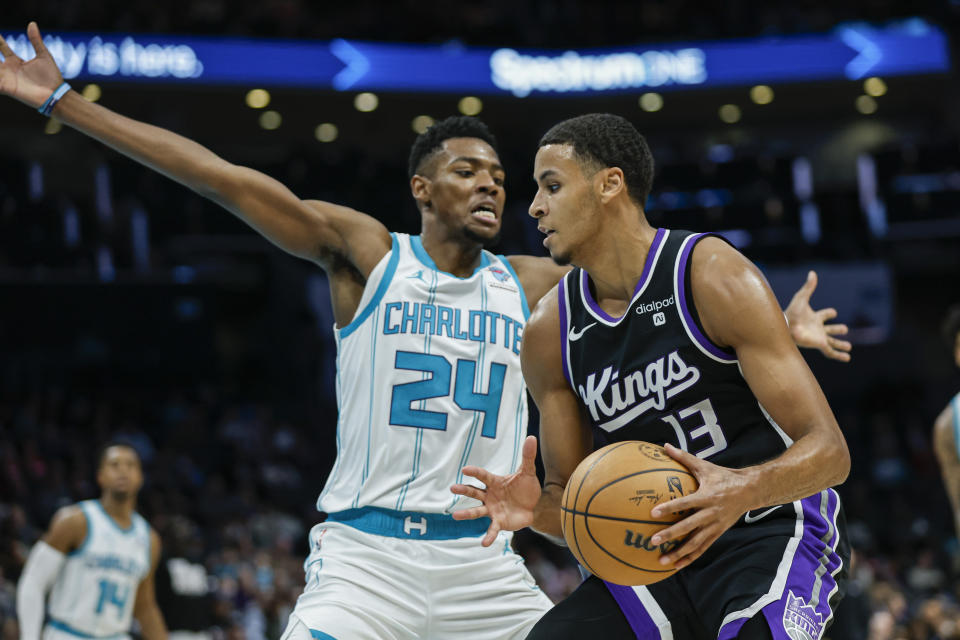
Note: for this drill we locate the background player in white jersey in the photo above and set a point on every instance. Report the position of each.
(97, 560)
(946, 429)
(428, 332)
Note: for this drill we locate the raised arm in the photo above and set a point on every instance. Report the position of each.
(739, 310)
(314, 230)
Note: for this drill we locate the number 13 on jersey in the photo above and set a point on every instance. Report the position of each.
(438, 385)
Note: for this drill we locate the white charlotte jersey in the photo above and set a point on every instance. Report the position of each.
(94, 593)
(428, 380)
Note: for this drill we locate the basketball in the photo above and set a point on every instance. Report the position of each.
(606, 511)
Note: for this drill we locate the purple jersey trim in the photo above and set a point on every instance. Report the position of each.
(692, 329)
(803, 604)
(640, 621)
(564, 345)
(641, 284)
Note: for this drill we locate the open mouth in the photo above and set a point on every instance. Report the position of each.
(547, 233)
(484, 212)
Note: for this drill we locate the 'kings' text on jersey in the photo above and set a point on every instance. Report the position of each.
(653, 374)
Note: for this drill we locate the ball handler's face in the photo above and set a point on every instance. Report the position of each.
(120, 472)
(566, 204)
(956, 349)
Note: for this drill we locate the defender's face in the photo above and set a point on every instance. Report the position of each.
(565, 204)
(956, 349)
(120, 471)
(466, 188)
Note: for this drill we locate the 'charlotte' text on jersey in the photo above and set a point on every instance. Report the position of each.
(437, 319)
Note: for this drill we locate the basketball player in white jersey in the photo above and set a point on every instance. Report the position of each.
(946, 429)
(97, 560)
(428, 330)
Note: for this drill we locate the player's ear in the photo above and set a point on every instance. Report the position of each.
(420, 187)
(611, 183)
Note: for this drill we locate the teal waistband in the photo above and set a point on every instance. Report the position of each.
(409, 524)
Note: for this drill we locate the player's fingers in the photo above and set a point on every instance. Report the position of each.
(836, 329)
(472, 513)
(33, 32)
(826, 314)
(807, 289)
(6, 50)
(690, 550)
(491, 535)
(833, 354)
(528, 464)
(468, 490)
(681, 549)
(675, 506)
(677, 531)
(839, 345)
(479, 473)
(681, 456)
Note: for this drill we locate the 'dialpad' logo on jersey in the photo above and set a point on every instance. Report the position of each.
(632, 395)
(656, 305)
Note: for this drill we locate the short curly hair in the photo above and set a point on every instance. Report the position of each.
(430, 141)
(105, 449)
(951, 325)
(606, 140)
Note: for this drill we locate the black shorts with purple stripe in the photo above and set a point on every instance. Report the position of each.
(776, 574)
(654, 374)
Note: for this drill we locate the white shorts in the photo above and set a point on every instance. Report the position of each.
(365, 586)
(60, 631)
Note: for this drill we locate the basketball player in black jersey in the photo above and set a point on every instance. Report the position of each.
(674, 337)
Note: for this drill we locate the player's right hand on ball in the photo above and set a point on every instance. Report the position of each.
(507, 500)
(29, 82)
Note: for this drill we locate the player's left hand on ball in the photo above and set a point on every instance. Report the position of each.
(714, 508)
(507, 500)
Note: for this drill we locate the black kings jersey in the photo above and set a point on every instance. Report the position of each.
(653, 374)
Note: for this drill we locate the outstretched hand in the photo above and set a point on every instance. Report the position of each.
(507, 500)
(809, 328)
(713, 508)
(29, 82)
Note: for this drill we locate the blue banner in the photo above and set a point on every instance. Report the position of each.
(850, 52)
